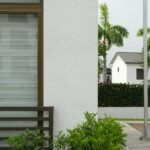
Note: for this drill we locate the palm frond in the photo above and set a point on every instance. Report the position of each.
(116, 39)
(120, 30)
(117, 34)
(104, 14)
(100, 32)
(141, 32)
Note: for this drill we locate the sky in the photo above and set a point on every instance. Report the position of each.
(129, 14)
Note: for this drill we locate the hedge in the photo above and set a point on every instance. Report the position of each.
(121, 95)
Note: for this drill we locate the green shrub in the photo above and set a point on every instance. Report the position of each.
(121, 95)
(93, 134)
(27, 140)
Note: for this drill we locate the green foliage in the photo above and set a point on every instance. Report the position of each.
(140, 33)
(27, 140)
(93, 134)
(121, 95)
(108, 35)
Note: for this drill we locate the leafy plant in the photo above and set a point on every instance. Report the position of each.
(121, 95)
(27, 140)
(93, 134)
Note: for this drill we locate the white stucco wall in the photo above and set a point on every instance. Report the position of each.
(131, 74)
(121, 76)
(122, 112)
(70, 60)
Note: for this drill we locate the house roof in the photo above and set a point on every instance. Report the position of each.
(129, 57)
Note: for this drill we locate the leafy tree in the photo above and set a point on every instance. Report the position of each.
(140, 33)
(108, 35)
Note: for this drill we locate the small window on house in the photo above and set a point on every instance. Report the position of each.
(139, 74)
(118, 69)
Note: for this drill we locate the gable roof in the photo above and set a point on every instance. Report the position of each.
(129, 57)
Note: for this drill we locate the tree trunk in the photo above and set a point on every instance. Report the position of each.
(105, 70)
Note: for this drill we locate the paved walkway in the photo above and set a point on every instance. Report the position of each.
(133, 142)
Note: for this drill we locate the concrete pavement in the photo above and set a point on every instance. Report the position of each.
(133, 142)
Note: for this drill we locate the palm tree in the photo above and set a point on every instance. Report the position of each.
(108, 35)
(140, 34)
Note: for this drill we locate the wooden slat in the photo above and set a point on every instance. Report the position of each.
(26, 108)
(24, 8)
(22, 128)
(40, 119)
(24, 118)
(4, 148)
(51, 125)
(3, 138)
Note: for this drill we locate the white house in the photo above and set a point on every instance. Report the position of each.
(44, 48)
(127, 68)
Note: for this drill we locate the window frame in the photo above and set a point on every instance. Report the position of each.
(137, 77)
(118, 69)
(31, 8)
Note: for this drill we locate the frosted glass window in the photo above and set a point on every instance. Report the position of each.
(19, 1)
(18, 59)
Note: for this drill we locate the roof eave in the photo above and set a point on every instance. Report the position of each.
(140, 63)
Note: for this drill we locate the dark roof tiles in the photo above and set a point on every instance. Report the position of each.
(129, 57)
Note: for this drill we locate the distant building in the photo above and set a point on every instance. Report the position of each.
(127, 68)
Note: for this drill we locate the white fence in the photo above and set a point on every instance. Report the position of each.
(122, 112)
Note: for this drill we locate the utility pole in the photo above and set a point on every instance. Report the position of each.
(146, 136)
